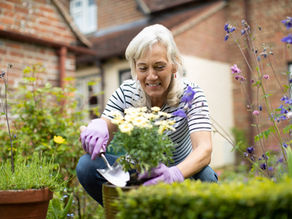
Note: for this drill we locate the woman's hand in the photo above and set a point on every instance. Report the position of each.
(162, 173)
(94, 137)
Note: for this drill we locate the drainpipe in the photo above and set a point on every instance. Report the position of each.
(249, 74)
(62, 69)
(102, 99)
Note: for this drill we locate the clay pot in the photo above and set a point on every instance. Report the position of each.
(110, 194)
(24, 204)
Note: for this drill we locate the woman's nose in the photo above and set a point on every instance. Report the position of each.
(152, 74)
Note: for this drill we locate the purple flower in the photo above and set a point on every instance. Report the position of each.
(265, 157)
(260, 108)
(263, 166)
(285, 145)
(188, 96)
(239, 77)
(180, 113)
(283, 110)
(245, 154)
(2, 74)
(243, 31)
(250, 149)
(235, 69)
(266, 77)
(280, 160)
(226, 37)
(256, 112)
(270, 168)
(284, 98)
(287, 22)
(229, 28)
(287, 39)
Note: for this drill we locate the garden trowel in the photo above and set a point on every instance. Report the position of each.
(114, 174)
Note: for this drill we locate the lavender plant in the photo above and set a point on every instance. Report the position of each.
(270, 163)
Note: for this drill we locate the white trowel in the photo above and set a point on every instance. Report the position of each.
(114, 174)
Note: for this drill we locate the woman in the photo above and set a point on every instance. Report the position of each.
(156, 70)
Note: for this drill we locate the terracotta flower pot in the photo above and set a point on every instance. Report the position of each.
(110, 194)
(31, 203)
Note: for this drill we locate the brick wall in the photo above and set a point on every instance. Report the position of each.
(115, 12)
(41, 19)
(205, 39)
(266, 14)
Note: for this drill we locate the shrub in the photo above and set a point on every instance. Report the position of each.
(258, 198)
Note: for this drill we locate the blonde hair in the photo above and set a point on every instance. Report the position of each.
(145, 40)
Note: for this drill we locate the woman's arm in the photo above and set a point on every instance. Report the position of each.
(200, 156)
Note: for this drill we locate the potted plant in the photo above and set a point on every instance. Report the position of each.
(26, 182)
(141, 136)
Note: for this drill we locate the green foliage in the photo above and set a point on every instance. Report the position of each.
(57, 209)
(258, 198)
(144, 146)
(289, 161)
(34, 174)
(38, 113)
(240, 139)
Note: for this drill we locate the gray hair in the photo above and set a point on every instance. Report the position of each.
(146, 39)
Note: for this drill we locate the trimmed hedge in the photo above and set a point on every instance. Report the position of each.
(258, 198)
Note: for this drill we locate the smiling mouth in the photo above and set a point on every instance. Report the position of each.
(153, 84)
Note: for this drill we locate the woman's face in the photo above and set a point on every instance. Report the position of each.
(154, 72)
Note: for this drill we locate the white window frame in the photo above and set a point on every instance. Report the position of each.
(84, 15)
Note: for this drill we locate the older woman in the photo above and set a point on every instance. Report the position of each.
(156, 69)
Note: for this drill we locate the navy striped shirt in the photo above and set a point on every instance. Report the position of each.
(197, 116)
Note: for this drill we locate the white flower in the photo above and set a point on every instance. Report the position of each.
(126, 127)
(155, 109)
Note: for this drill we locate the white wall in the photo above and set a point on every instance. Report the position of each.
(111, 76)
(215, 79)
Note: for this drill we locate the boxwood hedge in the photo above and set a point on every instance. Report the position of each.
(258, 198)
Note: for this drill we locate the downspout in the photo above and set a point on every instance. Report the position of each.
(249, 74)
(102, 99)
(62, 63)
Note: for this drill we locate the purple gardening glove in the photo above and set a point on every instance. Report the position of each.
(94, 137)
(163, 173)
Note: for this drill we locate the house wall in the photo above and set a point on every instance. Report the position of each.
(112, 68)
(214, 78)
(39, 19)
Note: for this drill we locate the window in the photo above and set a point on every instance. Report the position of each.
(124, 75)
(84, 13)
(89, 94)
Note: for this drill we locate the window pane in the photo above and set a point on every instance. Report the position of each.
(91, 2)
(78, 4)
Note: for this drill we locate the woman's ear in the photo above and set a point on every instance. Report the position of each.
(174, 68)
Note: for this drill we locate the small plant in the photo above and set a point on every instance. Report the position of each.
(141, 135)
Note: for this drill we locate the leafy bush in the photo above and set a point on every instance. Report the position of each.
(44, 119)
(258, 198)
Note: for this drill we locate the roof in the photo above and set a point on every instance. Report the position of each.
(152, 6)
(115, 43)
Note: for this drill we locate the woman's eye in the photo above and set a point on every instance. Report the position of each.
(159, 67)
(142, 69)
